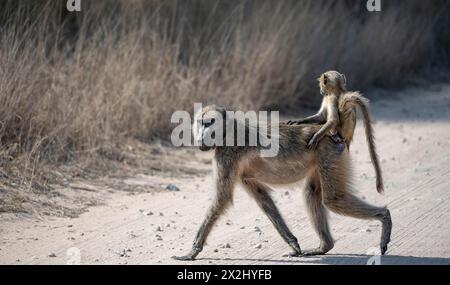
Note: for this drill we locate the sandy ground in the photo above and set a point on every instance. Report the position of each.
(413, 138)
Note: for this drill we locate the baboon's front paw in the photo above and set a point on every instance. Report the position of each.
(312, 144)
(184, 257)
(293, 123)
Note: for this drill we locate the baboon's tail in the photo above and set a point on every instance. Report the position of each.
(355, 99)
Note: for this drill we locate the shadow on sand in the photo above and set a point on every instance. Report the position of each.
(348, 259)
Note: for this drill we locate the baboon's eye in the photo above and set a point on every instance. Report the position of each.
(325, 80)
(210, 123)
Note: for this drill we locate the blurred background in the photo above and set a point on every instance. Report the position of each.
(76, 85)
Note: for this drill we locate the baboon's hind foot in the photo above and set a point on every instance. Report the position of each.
(386, 232)
(293, 254)
(321, 250)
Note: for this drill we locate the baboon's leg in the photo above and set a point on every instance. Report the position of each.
(345, 203)
(334, 171)
(318, 215)
(386, 231)
(261, 194)
(221, 202)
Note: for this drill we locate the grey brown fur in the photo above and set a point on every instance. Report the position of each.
(338, 116)
(328, 183)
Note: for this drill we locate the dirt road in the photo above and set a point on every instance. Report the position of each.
(413, 138)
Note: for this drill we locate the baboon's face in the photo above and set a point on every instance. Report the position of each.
(207, 123)
(323, 81)
(332, 81)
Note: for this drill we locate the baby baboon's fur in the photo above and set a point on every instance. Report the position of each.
(338, 116)
(326, 170)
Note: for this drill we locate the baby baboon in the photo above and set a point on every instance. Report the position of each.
(326, 170)
(338, 116)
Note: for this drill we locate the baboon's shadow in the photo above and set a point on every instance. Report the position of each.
(347, 259)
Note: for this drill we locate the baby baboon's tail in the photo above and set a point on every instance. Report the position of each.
(356, 99)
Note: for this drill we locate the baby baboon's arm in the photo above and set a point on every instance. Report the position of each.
(319, 118)
(331, 105)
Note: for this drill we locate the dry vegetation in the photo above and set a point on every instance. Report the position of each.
(77, 86)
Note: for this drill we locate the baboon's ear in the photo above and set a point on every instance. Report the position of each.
(343, 82)
(221, 110)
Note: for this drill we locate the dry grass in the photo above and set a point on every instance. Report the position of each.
(71, 84)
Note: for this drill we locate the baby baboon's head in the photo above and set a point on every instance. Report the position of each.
(332, 82)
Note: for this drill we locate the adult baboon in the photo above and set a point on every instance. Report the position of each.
(326, 170)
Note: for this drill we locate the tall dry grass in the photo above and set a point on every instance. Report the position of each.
(70, 83)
